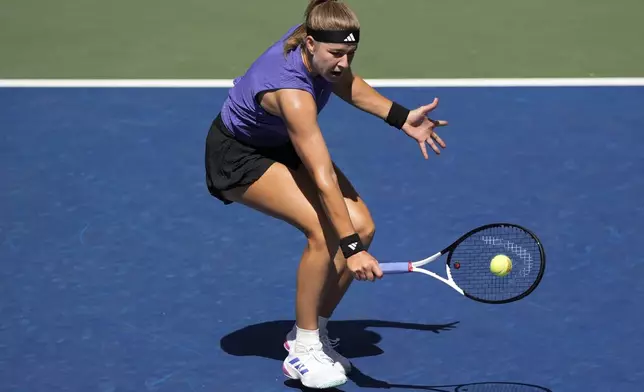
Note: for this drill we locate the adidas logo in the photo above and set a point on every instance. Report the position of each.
(353, 245)
(350, 38)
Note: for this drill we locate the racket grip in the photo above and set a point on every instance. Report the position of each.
(395, 268)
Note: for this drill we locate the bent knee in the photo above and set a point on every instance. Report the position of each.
(365, 226)
(316, 238)
(320, 237)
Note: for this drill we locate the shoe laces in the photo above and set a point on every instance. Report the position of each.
(326, 341)
(316, 351)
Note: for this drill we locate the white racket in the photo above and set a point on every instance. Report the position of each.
(468, 263)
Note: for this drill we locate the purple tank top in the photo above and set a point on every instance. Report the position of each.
(243, 115)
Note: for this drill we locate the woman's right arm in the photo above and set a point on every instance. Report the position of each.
(299, 111)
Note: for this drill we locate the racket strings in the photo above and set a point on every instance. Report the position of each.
(475, 253)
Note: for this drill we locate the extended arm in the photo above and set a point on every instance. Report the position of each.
(355, 91)
(415, 123)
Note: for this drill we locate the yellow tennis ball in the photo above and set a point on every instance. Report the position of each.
(501, 265)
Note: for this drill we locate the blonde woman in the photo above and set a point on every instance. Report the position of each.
(266, 151)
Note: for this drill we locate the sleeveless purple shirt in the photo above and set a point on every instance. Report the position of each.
(243, 115)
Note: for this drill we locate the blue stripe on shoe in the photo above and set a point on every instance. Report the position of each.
(298, 366)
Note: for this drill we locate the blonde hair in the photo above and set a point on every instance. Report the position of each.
(322, 15)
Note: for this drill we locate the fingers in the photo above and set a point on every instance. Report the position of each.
(377, 271)
(431, 143)
(428, 108)
(423, 149)
(432, 136)
(362, 275)
(439, 123)
(373, 272)
(433, 146)
(369, 272)
(439, 140)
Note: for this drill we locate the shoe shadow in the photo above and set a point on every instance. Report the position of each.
(266, 339)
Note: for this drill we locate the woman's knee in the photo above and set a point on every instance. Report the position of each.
(320, 239)
(363, 223)
(366, 228)
(317, 239)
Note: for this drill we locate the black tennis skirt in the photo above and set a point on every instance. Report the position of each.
(231, 163)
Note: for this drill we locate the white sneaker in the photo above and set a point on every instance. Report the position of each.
(342, 363)
(312, 367)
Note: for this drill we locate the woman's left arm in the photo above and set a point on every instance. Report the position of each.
(415, 123)
(355, 91)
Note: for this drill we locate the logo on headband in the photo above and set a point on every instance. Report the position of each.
(335, 36)
(350, 38)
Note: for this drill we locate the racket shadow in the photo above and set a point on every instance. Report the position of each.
(365, 381)
(266, 339)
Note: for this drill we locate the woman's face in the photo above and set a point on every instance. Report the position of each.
(330, 60)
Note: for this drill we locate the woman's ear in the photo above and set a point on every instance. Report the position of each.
(309, 43)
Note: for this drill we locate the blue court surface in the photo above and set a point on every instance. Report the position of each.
(121, 273)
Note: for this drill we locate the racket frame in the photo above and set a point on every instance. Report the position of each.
(415, 266)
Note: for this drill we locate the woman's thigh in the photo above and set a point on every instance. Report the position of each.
(291, 196)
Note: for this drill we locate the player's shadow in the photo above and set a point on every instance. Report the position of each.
(266, 339)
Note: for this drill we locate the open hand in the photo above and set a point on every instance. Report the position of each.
(421, 128)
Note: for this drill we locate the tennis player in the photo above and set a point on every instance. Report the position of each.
(266, 151)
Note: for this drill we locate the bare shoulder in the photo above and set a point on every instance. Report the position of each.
(289, 103)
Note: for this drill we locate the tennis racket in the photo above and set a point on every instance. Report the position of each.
(468, 263)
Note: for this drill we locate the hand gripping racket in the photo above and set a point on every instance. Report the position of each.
(468, 263)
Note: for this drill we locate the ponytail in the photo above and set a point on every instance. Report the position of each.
(295, 39)
(322, 15)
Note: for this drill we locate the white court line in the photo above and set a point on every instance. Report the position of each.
(227, 83)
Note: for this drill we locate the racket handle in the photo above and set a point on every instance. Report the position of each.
(396, 268)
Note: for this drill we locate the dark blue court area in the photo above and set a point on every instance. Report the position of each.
(121, 273)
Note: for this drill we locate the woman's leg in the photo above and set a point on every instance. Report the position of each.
(292, 197)
(340, 277)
